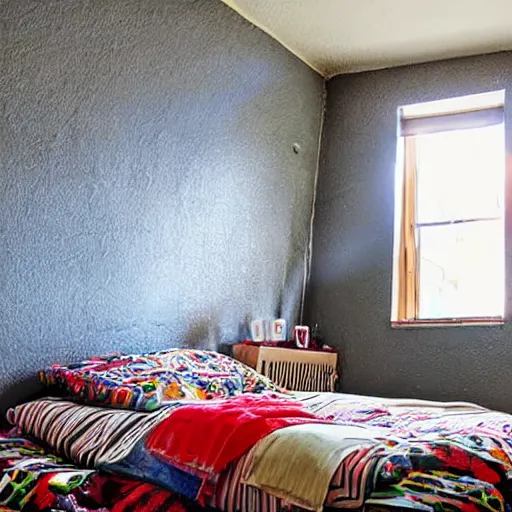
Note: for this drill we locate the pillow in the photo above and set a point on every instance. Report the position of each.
(89, 436)
(148, 381)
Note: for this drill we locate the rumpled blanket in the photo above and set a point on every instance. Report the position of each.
(416, 455)
(203, 439)
(298, 463)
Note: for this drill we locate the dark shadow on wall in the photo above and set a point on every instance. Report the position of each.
(204, 335)
(24, 390)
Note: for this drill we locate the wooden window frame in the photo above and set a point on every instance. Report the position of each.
(407, 267)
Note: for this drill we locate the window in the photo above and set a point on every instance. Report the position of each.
(449, 255)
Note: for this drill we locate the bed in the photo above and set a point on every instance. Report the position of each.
(203, 427)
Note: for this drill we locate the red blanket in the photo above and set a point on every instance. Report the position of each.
(204, 438)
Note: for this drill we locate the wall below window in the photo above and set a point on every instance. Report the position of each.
(149, 193)
(350, 290)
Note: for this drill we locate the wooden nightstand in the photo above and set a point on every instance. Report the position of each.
(293, 369)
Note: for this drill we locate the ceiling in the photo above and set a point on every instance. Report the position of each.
(344, 36)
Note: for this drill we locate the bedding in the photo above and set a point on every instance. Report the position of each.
(148, 381)
(323, 447)
(232, 427)
(413, 454)
(36, 481)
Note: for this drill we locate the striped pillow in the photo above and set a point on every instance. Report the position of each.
(89, 436)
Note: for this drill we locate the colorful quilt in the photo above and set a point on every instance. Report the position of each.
(148, 381)
(32, 480)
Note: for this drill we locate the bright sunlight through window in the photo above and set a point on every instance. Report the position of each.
(449, 255)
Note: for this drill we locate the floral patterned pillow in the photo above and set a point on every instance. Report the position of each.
(148, 381)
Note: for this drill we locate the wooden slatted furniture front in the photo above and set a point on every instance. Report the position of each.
(296, 370)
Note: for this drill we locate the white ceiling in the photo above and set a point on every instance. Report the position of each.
(343, 36)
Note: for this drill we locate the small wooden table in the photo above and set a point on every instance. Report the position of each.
(293, 369)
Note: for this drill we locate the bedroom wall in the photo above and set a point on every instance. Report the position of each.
(350, 291)
(149, 194)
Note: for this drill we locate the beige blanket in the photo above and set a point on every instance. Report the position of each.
(318, 449)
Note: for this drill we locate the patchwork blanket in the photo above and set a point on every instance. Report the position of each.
(418, 455)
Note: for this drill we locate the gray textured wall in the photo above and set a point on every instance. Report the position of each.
(350, 293)
(149, 194)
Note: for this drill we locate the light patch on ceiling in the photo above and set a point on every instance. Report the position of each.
(345, 36)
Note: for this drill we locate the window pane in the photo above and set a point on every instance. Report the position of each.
(462, 270)
(460, 174)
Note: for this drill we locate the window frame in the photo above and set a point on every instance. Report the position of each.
(406, 267)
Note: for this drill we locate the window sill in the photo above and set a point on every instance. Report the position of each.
(448, 322)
